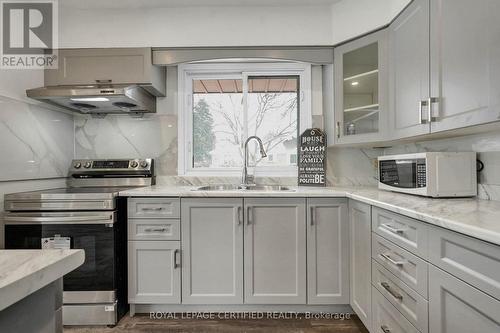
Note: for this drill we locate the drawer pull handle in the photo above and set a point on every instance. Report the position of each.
(385, 329)
(392, 261)
(155, 229)
(152, 209)
(394, 229)
(176, 265)
(394, 293)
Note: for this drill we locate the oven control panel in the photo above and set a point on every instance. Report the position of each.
(111, 165)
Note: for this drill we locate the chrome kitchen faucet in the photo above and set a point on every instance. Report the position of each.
(247, 180)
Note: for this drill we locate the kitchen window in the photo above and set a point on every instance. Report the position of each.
(221, 105)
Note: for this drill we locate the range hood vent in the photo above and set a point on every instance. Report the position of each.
(97, 100)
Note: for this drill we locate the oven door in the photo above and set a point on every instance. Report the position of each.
(90, 231)
(398, 173)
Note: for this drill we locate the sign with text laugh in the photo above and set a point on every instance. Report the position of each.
(312, 158)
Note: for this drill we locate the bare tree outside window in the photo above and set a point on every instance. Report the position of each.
(220, 126)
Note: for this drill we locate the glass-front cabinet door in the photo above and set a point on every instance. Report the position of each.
(361, 89)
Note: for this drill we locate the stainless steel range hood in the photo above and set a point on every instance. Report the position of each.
(96, 99)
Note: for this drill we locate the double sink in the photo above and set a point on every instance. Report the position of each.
(230, 187)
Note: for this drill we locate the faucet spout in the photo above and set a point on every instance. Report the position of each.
(246, 180)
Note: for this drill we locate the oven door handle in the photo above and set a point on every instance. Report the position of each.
(84, 219)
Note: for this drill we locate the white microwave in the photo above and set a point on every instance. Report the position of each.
(430, 174)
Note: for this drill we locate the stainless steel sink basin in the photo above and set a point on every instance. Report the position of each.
(229, 187)
(223, 187)
(268, 188)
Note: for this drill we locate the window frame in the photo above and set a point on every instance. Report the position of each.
(188, 72)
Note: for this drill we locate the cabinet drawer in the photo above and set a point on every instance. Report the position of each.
(472, 260)
(413, 306)
(386, 318)
(408, 267)
(153, 207)
(154, 229)
(406, 232)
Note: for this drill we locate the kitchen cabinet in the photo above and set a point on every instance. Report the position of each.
(327, 248)
(469, 259)
(465, 63)
(108, 66)
(361, 88)
(444, 66)
(212, 248)
(360, 260)
(456, 307)
(275, 251)
(409, 62)
(154, 272)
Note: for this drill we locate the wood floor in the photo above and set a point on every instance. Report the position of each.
(143, 324)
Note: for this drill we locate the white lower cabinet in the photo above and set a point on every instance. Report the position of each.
(154, 272)
(212, 248)
(275, 251)
(360, 260)
(327, 248)
(456, 307)
(407, 301)
(386, 318)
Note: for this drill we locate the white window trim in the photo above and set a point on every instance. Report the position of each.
(186, 72)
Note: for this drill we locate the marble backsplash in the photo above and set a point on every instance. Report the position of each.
(357, 166)
(156, 136)
(36, 142)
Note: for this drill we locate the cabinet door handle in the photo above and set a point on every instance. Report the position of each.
(421, 105)
(101, 81)
(176, 252)
(394, 293)
(312, 215)
(385, 329)
(338, 130)
(430, 101)
(154, 209)
(240, 215)
(155, 229)
(393, 229)
(392, 261)
(249, 215)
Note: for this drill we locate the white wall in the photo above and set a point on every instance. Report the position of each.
(322, 24)
(195, 26)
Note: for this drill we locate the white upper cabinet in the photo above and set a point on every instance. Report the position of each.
(107, 67)
(443, 73)
(409, 71)
(361, 89)
(465, 62)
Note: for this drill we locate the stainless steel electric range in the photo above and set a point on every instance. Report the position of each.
(88, 215)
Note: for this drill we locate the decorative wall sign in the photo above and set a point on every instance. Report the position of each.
(312, 158)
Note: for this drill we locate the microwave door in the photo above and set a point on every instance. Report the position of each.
(399, 173)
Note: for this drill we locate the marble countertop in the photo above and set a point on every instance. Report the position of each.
(23, 272)
(473, 217)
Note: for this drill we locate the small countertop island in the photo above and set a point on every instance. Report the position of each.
(31, 288)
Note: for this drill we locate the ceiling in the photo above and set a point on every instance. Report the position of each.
(116, 4)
